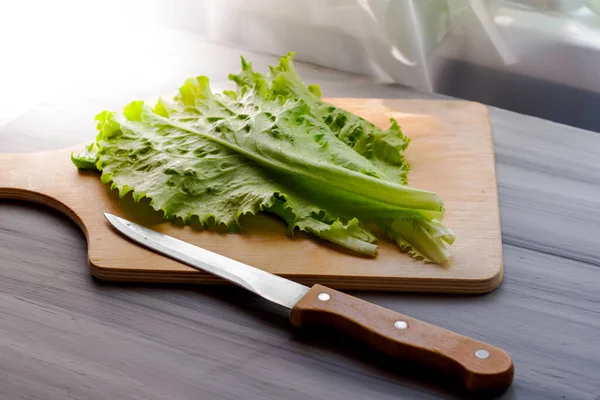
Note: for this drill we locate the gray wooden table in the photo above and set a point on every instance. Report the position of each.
(65, 335)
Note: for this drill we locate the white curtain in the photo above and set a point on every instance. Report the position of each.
(411, 41)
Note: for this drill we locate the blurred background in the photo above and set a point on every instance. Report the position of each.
(536, 57)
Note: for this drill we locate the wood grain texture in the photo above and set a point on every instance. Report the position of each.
(450, 153)
(415, 341)
(65, 335)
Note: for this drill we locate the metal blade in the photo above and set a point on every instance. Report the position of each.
(272, 287)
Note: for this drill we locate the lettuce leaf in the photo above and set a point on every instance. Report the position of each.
(272, 145)
(384, 148)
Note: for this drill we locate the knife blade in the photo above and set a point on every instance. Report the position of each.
(478, 365)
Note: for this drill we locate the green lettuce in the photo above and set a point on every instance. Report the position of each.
(384, 148)
(272, 145)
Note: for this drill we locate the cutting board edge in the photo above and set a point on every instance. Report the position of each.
(45, 200)
(363, 283)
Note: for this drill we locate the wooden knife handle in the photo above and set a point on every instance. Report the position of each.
(478, 365)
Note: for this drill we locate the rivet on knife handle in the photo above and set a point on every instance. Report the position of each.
(479, 365)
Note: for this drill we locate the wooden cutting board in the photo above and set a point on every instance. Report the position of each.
(451, 153)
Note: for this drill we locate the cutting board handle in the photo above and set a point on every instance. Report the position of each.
(39, 178)
(480, 366)
(22, 173)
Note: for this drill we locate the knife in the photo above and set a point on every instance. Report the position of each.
(478, 366)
